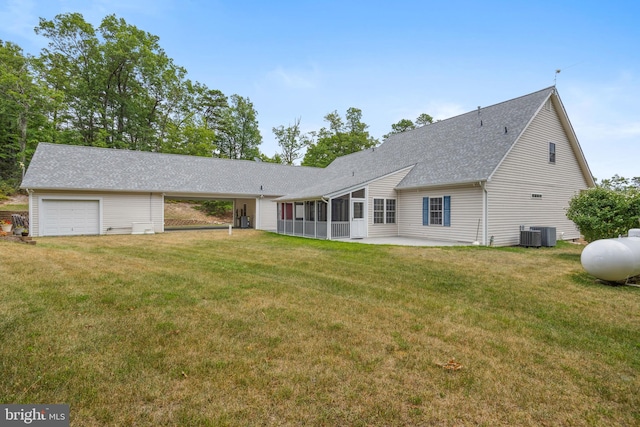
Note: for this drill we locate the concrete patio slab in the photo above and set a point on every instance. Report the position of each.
(405, 241)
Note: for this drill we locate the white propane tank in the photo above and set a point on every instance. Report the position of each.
(613, 259)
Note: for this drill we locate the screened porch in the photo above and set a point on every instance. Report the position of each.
(314, 218)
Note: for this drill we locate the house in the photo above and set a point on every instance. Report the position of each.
(479, 176)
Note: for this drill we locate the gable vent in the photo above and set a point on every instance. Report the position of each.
(536, 196)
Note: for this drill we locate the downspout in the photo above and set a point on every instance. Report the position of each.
(163, 195)
(30, 193)
(485, 212)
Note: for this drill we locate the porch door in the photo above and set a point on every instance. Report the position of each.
(358, 219)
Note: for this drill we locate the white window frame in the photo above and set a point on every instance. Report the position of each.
(383, 214)
(440, 223)
(387, 211)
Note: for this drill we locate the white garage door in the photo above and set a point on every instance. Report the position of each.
(70, 217)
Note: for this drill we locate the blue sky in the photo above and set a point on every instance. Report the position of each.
(394, 60)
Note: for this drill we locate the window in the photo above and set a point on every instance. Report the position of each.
(382, 215)
(378, 211)
(552, 152)
(358, 210)
(299, 211)
(391, 211)
(358, 194)
(436, 211)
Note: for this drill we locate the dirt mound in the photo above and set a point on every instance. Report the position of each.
(17, 199)
(185, 213)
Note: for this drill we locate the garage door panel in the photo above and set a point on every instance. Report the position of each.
(70, 217)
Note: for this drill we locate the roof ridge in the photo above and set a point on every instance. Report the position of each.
(448, 119)
(174, 155)
(498, 103)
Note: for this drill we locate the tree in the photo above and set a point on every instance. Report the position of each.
(405, 124)
(402, 126)
(22, 102)
(239, 136)
(122, 91)
(424, 119)
(602, 212)
(274, 159)
(291, 142)
(341, 138)
(193, 123)
(73, 62)
(618, 183)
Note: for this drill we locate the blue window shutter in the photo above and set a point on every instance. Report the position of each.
(425, 211)
(447, 211)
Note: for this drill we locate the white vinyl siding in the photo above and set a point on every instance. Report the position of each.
(526, 171)
(118, 211)
(465, 213)
(384, 188)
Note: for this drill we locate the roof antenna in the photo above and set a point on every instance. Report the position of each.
(556, 76)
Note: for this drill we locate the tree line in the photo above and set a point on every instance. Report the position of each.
(114, 86)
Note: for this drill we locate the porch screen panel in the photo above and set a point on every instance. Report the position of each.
(340, 209)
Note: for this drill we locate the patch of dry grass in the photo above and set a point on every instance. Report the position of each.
(258, 329)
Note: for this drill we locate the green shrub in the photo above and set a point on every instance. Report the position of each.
(6, 189)
(216, 207)
(602, 213)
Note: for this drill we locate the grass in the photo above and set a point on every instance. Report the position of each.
(15, 207)
(207, 329)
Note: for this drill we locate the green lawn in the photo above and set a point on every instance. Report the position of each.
(207, 329)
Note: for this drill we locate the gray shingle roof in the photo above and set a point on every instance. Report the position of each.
(452, 151)
(465, 148)
(72, 167)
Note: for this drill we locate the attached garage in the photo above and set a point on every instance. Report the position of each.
(77, 190)
(67, 217)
